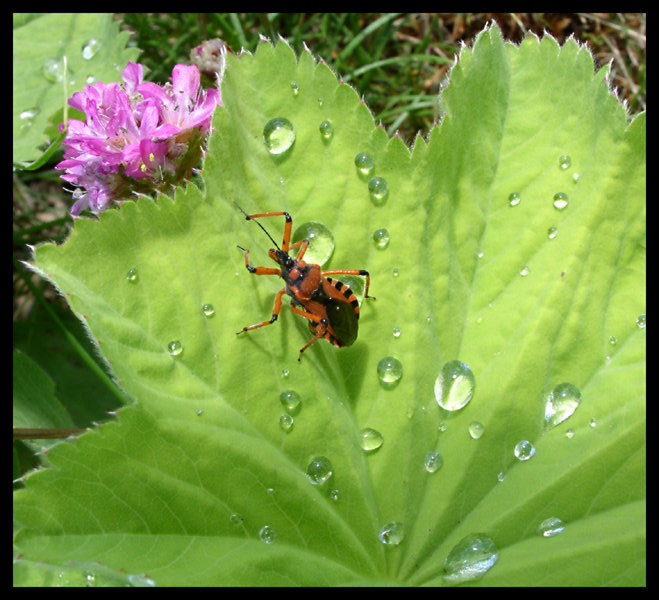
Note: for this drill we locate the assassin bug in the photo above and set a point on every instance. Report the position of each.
(329, 305)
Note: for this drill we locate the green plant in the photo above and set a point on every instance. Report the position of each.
(178, 489)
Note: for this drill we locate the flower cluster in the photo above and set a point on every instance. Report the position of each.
(137, 137)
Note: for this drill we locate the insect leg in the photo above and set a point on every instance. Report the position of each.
(275, 313)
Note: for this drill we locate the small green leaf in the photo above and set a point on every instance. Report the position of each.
(181, 487)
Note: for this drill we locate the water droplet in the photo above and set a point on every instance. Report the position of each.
(433, 461)
(208, 310)
(319, 470)
(27, 118)
(514, 199)
(560, 201)
(564, 162)
(640, 321)
(524, 271)
(295, 88)
(365, 164)
(286, 423)
(390, 370)
(91, 48)
(199, 412)
(175, 348)
(140, 581)
(593, 422)
(552, 232)
(561, 403)
(334, 495)
(501, 476)
(569, 433)
(90, 79)
(321, 241)
(381, 238)
(291, 402)
(267, 534)
(470, 559)
(454, 386)
(524, 450)
(395, 272)
(131, 276)
(53, 70)
(396, 332)
(278, 135)
(378, 189)
(391, 534)
(370, 439)
(612, 340)
(236, 519)
(326, 131)
(285, 373)
(575, 177)
(320, 102)
(476, 430)
(550, 527)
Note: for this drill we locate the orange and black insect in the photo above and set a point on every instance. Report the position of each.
(329, 305)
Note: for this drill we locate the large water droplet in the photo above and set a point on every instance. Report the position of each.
(208, 310)
(91, 48)
(319, 470)
(470, 559)
(390, 370)
(267, 534)
(561, 403)
(291, 402)
(524, 450)
(365, 164)
(560, 201)
(550, 527)
(278, 135)
(514, 199)
(378, 189)
(454, 386)
(370, 439)
(321, 241)
(391, 534)
(175, 348)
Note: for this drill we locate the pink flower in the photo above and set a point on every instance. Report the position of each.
(136, 136)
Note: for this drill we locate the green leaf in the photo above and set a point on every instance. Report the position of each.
(180, 486)
(35, 403)
(43, 80)
(83, 395)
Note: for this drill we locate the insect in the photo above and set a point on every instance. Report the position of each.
(329, 305)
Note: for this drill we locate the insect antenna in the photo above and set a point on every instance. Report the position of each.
(259, 224)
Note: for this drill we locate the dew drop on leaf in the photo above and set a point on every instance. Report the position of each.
(278, 135)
